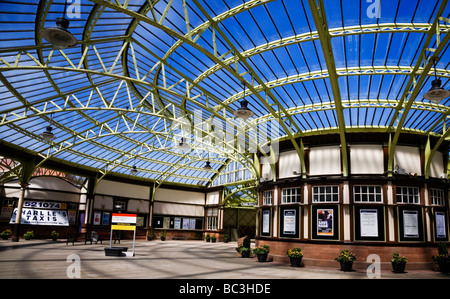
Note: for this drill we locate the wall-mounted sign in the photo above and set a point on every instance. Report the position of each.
(44, 205)
(41, 217)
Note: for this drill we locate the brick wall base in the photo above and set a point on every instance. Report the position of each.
(322, 255)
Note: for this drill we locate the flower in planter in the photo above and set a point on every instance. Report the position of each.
(396, 258)
(295, 253)
(345, 256)
(398, 263)
(261, 249)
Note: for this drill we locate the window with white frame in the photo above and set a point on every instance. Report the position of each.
(367, 194)
(437, 197)
(291, 195)
(407, 195)
(267, 197)
(211, 218)
(326, 194)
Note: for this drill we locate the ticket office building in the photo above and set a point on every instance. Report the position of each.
(368, 212)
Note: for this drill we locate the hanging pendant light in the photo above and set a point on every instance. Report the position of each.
(244, 112)
(183, 145)
(436, 93)
(134, 170)
(207, 166)
(59, 36)
(47, 134)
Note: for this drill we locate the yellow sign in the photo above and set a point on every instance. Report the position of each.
(123, 227)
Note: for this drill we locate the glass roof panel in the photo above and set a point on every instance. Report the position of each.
(116, 98)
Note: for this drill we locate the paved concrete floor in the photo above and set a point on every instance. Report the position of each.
(44, 259)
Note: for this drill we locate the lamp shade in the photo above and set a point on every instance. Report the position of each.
(59, 36)
(134, 170)
(244, 112)
(207, 166)
(47, 134)
(436, 93)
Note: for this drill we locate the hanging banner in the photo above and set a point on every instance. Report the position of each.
(123, 221)
(41, 217)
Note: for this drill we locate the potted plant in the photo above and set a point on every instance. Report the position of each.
(295, 256)
(5, 234)
(208, 237)
(244, 248)
(243, 251)
(398, 263)
(213, 238)
(54, 235)
(226, 238)
(261, 252)
(28, 235)
(346, 259)
(162, 236)
(443, 258)
(149, 234)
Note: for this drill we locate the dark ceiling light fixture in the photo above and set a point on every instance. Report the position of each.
(244, 112)
(59, 36)
(48, 134)
(436, 93)
(183, 145)
(134, 170)
(207, 166)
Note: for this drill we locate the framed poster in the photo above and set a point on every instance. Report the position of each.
(97, 217)
(369, 223)
(325, 222)
(289, 222)
(105, 218)
(440, 226)
(177, 223)
(265, 222)
(410, 224)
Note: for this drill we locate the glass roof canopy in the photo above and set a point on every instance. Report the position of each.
(147, 75)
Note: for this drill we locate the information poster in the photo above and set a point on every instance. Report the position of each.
(325, 224)
(410, 224)
(177, 224)
(289, 221)
(441, 231)
(266, 222)
(369, 222)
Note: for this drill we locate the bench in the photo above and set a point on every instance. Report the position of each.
(106, 237)
(91, 237)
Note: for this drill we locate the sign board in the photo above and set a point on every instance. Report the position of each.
(124, 222)
(41, 217)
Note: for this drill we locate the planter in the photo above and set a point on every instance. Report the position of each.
(346, 266)
(163, 238)
(5, 237)
(398, 267)
(245, 253)
(295, 261)
(213, 240)
(115, 251)
(262, 257)
(207, 239)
